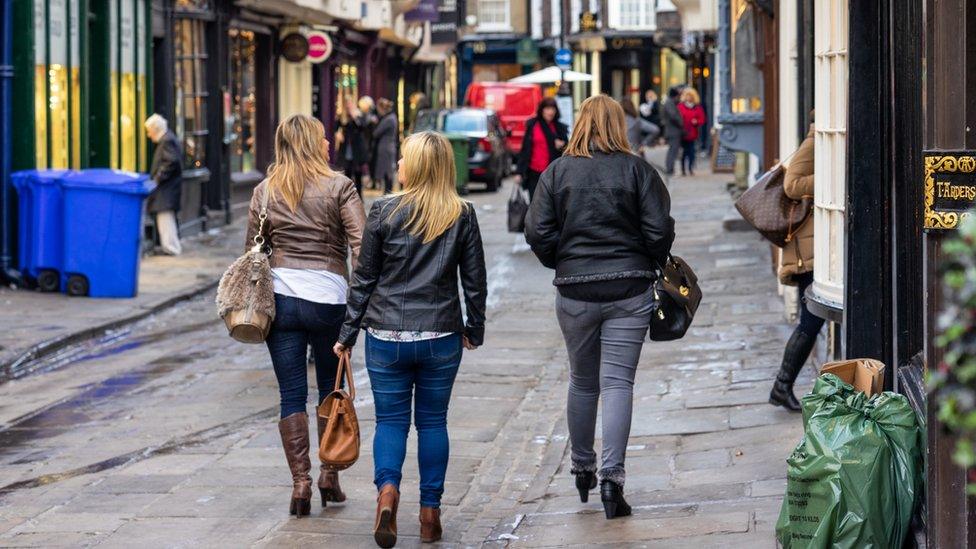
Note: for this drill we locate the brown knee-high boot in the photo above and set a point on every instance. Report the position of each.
(328, 480)
(294, 440)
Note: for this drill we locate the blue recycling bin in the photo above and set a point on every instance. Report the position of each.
(40, 234)
(102, 231)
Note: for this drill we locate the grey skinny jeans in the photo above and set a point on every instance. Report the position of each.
(604, 342)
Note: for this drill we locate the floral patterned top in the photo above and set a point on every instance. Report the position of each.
(401, 336)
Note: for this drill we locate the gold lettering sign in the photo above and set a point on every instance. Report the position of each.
(950, 188)
(479, 47)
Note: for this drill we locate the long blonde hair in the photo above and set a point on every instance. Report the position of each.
(429, 187)
(300, 158)
(600, 126)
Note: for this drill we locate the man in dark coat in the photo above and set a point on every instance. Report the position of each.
(167, 173)
(385, 139)
(674, 128)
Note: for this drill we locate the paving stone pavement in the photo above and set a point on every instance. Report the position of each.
(165, 436)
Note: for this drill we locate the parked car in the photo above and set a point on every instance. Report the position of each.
(489, 159)
(514, 104)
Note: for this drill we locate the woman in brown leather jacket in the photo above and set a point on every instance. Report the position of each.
(796, 269)
(315, 223)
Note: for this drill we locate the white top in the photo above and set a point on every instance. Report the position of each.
(310, 285)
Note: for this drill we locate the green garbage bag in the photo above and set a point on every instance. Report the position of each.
(854, 478)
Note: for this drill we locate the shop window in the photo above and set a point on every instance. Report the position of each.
(494, 15)
(241, 119)
(747, 77)
(57, 89)
(127, 86)
(830, 120)
(633, 15)
(190, 81)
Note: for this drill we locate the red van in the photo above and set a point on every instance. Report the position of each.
(514, 103)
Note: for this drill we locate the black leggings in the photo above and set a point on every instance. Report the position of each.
(810, 324)
(687, 156)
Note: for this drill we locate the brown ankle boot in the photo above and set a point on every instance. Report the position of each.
(294, 439)
(385, 531)
(328, 480)
(430, 524)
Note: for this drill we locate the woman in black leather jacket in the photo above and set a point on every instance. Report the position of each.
(601, 219)
(404, 292)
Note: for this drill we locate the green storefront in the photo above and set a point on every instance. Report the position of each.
(81, 84)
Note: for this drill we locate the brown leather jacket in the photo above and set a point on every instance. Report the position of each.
(797, 255)
(327, 224)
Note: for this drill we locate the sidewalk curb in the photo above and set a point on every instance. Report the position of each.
(9, 369)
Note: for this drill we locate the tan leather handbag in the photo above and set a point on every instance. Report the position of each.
(339, 448)
(245, 296)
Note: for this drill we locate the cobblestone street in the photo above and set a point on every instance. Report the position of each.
(165, 433)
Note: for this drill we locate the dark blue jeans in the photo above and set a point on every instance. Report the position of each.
(299, 323)
(422, 372)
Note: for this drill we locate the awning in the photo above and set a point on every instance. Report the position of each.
(390, 36)
(552, 74)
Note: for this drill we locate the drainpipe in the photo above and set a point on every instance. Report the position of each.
(7, 270)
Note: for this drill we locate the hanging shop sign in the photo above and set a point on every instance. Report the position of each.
(294, 47)
(588, 22)
(426, 10)
(445, 29)
(319, 46)
(950, 188)
(527, 52)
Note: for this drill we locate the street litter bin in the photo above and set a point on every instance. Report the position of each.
(39, 226)
(460, 144)
(856, 477)
(102, 231)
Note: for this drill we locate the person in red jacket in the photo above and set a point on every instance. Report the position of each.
(693, 116)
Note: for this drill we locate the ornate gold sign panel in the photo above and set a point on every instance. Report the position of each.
(950, 188)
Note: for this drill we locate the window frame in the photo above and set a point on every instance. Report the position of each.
(494, 26)
(646, 15)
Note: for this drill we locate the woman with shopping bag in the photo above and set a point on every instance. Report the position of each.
(416, 246)
(312, 219)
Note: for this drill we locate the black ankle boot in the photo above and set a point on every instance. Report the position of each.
(794, 357)
(585, 481)
(612, 496)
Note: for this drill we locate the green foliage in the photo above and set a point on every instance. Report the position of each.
(953, 382)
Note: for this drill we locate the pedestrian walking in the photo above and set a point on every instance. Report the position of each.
(351, 147)
(796, 269)
(693, 118)
(385, 137)
(650, 109)
(674, 129)
(601, 219)
(404, 292)
(167, 173)
(369, 118)
(545, 137)
(314, 225)
(640, 132)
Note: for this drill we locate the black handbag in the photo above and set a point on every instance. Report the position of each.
(676, 297)
(518, 206)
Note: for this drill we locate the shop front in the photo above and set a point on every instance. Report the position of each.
(487, 59)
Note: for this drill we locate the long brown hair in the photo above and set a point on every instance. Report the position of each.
(300, 157)
(600, 127)
(429, 185)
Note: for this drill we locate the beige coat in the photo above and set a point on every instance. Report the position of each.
(797, 256)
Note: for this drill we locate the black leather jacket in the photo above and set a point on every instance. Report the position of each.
(600, 218)
(403, 284)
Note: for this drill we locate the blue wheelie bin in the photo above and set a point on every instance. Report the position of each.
(39, 228)
(102, 231)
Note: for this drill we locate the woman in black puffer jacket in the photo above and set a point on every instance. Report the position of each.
(601, 219)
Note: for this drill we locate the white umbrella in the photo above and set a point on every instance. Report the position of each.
(552, 74)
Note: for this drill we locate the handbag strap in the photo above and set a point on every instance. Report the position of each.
(259, 240)
(345, 369)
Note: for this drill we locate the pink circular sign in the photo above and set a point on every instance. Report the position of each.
(319, 46)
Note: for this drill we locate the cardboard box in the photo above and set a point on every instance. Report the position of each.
(865, 374)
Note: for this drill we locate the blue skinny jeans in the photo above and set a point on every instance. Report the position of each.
(299, 323)
(420, 373)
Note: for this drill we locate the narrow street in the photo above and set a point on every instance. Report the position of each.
(164, 434)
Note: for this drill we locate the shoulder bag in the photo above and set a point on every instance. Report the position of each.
(339, 447)
(245, 295)
(518, 206)
(676, 296)
(766, 207)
